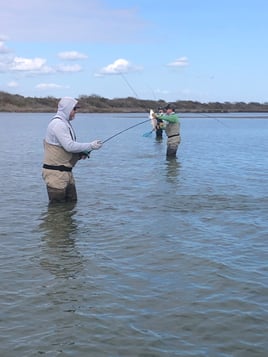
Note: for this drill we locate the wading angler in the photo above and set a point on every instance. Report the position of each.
(172, 129)
(62, 151)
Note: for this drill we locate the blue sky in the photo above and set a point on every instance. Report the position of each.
(197, 50)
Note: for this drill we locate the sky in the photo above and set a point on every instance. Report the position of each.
(206, 51)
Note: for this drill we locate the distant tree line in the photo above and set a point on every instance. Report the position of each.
(97, 104)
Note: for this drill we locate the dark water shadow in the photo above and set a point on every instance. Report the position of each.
(172, 169)
(59, 253)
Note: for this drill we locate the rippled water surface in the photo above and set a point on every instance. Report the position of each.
(157, 258)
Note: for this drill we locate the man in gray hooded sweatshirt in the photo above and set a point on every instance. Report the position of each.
(62, 152)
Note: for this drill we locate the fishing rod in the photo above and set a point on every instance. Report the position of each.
(122, 131)
(87, 153)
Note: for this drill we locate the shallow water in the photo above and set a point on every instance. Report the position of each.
(157, 258)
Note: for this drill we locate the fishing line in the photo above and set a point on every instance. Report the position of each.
(122, 131)
(218, 120)
(136, 95)
(127, 82)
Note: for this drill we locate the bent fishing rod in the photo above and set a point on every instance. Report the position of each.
(122, 131)
(87, 153)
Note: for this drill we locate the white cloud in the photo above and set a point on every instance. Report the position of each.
(3, 48)
(69, 68)
(180, 62)
(72, 55)
(3, 37)
(13, 84)
(27, 64)
(38, 66)
(161, 91)
(3, 66)
(45, 86)
(118, 67)
(33, 66)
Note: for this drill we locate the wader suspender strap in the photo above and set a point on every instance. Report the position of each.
(71, 130)
(72, 133)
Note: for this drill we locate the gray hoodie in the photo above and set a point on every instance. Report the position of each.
(60, 131)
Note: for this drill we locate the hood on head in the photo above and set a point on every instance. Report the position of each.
(65, 106)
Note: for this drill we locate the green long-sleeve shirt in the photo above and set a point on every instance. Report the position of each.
(173, 124)
(171, 118)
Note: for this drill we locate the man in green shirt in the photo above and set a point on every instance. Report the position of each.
(172, 129)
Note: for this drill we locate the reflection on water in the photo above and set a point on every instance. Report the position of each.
(173, 168)
(59, 253)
